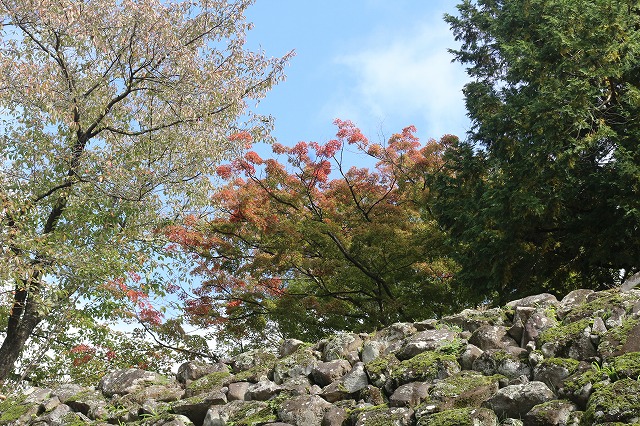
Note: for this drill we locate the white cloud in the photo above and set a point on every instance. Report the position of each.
(407, 76)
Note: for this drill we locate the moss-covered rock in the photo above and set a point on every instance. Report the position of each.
(621, 339)
(616, 402)
(16, 410)
(426, 366)
(464, 389)
(207, 383)
(460, 417)
(627, 365)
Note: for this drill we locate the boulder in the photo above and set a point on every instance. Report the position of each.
(326, 372)
(410, 394)
(551, 413)
(193, 370)
(423, 341)
(121, 382)
(516, 400)
(306, 410)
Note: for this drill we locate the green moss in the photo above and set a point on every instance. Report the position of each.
(619, 401)
(564, 332)
(209, 381)
(457, 417)
(72, 419)
(616, 337)
(251, 414)
(571, 365)
(263, 364)
(627, 365)
(425, 367)
(380, 365)
(461, 383)
(600, 307)
(10, 411)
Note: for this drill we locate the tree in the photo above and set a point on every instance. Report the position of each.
(317, 246)
(115, 113)
(544, 195)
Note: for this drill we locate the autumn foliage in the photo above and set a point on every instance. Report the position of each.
(309, 245)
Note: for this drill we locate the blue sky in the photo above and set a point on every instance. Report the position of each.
(382, 64)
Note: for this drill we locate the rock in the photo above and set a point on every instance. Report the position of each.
(262, 391)
(196, 407)
(335, 416)
(554, 371)
(537, 322)
(248, 412)
(501, 362)
(551, 413)
(193, 370)
(423, 341)
(211, 382)
(471, 319)
(121, 382)
(465, 389)
(307, 410)
(327, 372)
(516, 400)
(470, 354)
(543, 300)
(237, 391)
(297, 364)
(424, 367)
(617, 402)
(461, 417)
(520, 317)
(410, 395)
(397, 416)
(340, 345)
(289, 346)
(571, 300)
(351, 383)
(492, 337)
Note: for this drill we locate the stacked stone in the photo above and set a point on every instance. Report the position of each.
(535, 361)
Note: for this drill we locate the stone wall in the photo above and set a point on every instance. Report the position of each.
(535, 361)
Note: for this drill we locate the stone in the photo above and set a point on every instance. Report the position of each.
(492, 337)
(121, 382)
(537, 322)
(306, 410)
(248, 412)
(571, 300)
(328, 372)
(394, 416)
(340, 345)
(423, 341)
(470, 354)
(410, 394)
(237, 391)
(196, 407)
(461, 417)
(616, 402)
(543, 300)
(554, 371)
(262, 391)
(465, 389)
(498, 361)
(551, 413)
(516, 400)
(193, 370)
(351, 383)
(289, 346)
(335, 416)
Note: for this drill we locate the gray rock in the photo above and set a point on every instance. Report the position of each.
(551, 413)
(327, 372)
(571, 300)
(470, 354)
(262, 391)
(516, 400)
(537, 322)
(195, 408)
(237, 391)
(340, 345)
(251, 412)
(492, 337)
(423, 341)
(538, 301)
(335, 416)
(307, 410)
(289, 346)
(193, 370)
(351, 383)
(395, 416)
(501, 362)
(410, 394)
(121, 382)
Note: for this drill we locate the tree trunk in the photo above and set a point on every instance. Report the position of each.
(22, 321)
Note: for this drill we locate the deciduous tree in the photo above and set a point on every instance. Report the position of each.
(115, 113)
(313, 245)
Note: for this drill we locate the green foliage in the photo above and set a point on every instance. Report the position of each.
(114, 116)
(543, 196)
(318, 246)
